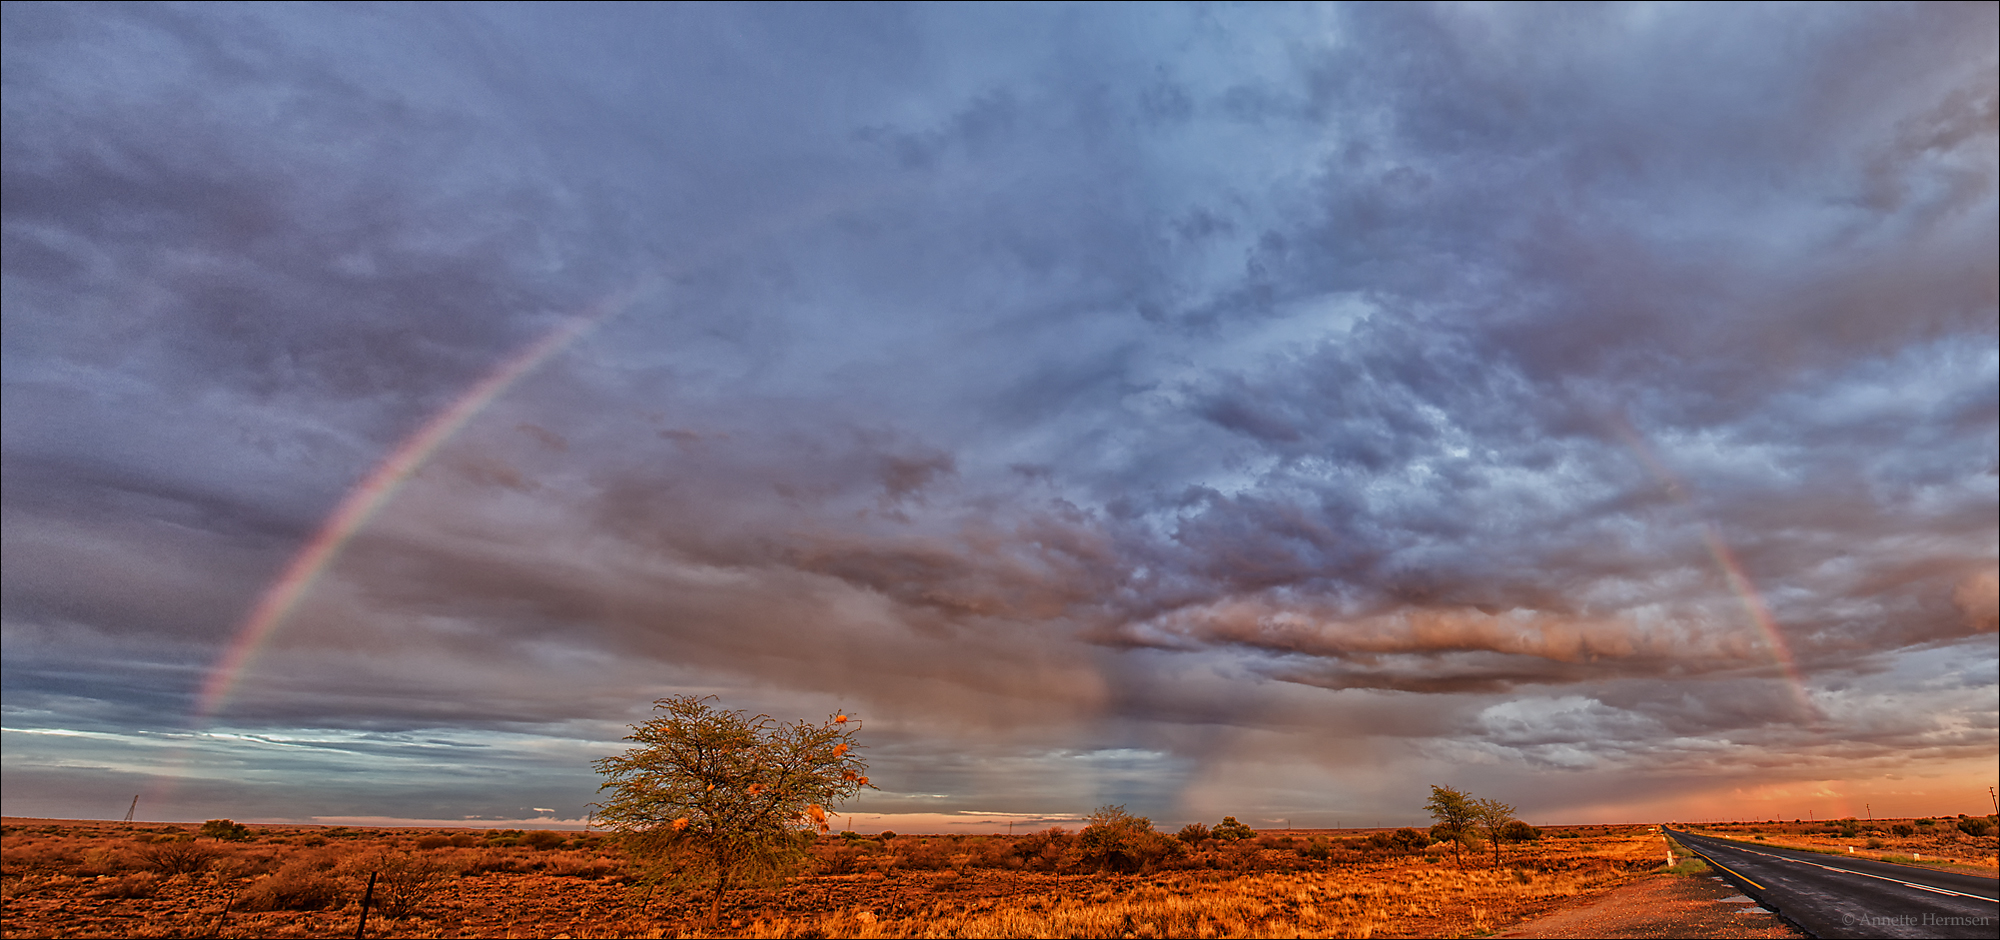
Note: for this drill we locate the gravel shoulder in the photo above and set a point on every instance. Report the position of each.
(1664, 906)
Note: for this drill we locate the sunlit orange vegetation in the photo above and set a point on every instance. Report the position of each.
(104, 879)
(1961, 840)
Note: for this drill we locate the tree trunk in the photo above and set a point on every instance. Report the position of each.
(715, 908)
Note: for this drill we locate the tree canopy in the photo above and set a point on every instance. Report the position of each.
(1456, 814)
(1493, 816)
(713, 797)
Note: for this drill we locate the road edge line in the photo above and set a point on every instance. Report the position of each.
(1762, 895)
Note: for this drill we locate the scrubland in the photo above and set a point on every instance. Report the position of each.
(105, 879)
(1957, 841)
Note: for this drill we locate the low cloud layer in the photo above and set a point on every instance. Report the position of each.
(1257, 412)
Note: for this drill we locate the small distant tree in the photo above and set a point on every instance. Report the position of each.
(1493, 816)
(1456, 815)
(1518, 831)
(712, 797)
(1229, 830)
(1193, 834)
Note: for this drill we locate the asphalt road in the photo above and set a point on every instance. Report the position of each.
(1830, 896)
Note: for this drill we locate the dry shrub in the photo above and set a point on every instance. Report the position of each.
(433, 842)
(995, 853)
(43, 855)
(1043, 851)
(177, 858)
(929, 854)
(842, 860)
(106, 860)
(577, 864)
(403, 880)
(1243, 855)
(302, 884)
(497, 860)
(138, 885)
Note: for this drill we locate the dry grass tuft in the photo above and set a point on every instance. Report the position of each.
(177, 858)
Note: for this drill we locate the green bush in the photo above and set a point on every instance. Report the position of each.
(1229, 830)
(544, 839)
(1903, 829)
(225, 830)
(1116, 840)
(1976, 826)
(1518, 831)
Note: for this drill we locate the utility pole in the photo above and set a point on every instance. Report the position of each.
(1990, 794)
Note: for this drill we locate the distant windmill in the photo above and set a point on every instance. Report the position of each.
(129, 810)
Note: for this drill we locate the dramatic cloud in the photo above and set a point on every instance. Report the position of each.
(1261, 412)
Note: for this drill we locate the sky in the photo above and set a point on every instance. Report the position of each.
(1265, 410)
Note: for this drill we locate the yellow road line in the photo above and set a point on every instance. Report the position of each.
(1727, 869)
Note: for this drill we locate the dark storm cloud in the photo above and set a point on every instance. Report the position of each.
(1072, 381)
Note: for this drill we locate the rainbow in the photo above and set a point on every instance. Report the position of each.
(1732, 570)
(374, 492)
(366, 499)
(1760, 615)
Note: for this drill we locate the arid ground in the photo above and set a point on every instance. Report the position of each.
(85, 879)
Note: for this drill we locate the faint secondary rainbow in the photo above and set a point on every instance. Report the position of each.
(366, 499)
(1732, 570)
